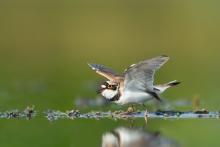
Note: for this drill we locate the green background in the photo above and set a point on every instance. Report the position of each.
(45, 45)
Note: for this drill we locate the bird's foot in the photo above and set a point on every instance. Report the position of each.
(131, 110)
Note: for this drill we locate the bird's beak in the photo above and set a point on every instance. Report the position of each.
(100, 91)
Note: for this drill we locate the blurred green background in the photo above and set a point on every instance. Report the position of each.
(45, 45)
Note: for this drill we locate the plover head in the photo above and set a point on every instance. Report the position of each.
(109, 90)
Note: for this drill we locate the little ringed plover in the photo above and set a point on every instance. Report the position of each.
(136, 86)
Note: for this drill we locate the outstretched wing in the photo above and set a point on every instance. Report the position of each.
(108, 73)
(141, 75)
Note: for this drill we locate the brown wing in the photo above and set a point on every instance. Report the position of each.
(108, 73)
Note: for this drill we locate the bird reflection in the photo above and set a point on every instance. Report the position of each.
(131, 137)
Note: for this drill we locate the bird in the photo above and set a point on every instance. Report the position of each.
(136, 85)
(136, 137)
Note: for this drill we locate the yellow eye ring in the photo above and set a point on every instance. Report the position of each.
(109, 86)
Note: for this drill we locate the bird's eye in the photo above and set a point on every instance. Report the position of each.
(109, 86)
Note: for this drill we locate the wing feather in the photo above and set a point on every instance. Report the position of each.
(143, 73)
(108, 73)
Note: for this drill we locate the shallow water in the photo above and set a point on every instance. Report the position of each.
(72, 128)
(44, 48)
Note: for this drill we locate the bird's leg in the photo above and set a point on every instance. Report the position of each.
(146, 112)
(133, 109)
(145, 117)
(132, 123)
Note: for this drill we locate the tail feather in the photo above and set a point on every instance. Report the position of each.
(172, 83)
(161, 88)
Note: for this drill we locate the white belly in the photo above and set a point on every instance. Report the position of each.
(134, 97)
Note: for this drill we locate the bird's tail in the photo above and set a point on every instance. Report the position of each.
(172, 83)
(160, 88)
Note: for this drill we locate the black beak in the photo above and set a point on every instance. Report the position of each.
(99, 91)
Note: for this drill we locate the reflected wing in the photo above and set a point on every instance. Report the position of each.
(140, 75)
(108, 73)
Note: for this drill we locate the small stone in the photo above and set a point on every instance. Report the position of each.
(165, 115)
(117, 112)
(111, 116)
(97, 113)
(130, 109)
(178, 114)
